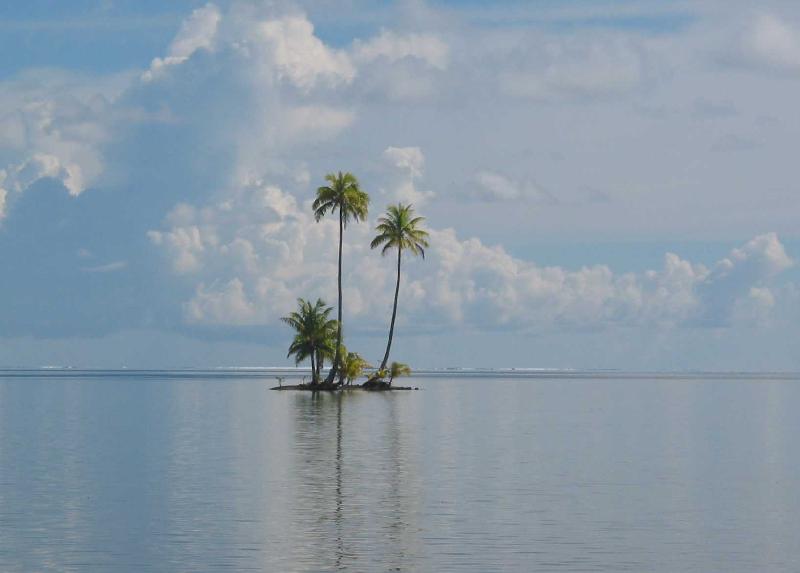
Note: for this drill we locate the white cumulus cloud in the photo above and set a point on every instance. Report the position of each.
(408, 167)
(52, 126)
(300, 57)
(252, 254)
(197, 32)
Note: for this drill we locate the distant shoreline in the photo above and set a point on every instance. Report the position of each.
(272, 373)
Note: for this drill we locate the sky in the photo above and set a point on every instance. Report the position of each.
(606, 184)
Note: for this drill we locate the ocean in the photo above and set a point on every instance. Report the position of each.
(479, 470)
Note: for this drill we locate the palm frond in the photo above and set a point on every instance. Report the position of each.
(399, 228)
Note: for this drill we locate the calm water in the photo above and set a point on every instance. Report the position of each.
(158, 473)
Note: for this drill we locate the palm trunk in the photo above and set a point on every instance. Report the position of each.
(336, 357)
(313, 370)
(394, 312)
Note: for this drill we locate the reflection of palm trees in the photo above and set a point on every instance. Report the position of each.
(353, 476)
(400, 494)
(319, 496)
(338, 512)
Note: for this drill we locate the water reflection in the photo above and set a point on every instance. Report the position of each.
(352, 479)
(211, 475)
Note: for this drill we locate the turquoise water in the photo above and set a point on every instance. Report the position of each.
(194, 471)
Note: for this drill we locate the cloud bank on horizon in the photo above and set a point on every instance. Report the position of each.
(176, 196)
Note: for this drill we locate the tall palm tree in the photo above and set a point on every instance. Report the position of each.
(344, 195)
(399, 229)
(313, 331)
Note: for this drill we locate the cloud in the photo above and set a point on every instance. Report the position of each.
(107, 268)
(470, 283)
(316, 122)
(772, 42)
(42, 165)
(410, 159)
(222, 304)
(254, 253)
(392, 47)
(302, 58)
(491, 186)
(732, 142)
(407, 167)
(742, 278)
(81, 131)
(197, 32)
(402, 66)
(185, 243)
(485, 287)
(547, 68)
(52, 127)
(216, 151)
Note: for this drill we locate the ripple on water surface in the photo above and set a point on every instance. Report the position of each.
(212, 471)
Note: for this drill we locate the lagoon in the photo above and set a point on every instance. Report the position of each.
(477, 471)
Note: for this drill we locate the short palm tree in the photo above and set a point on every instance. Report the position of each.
(342, 194)
(326, 350)
(313, 331)
(353, 366)
(342, 363)
(399, 229)
(398, 369)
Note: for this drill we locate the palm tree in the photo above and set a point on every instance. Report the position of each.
(342, 194)
(313, 331)
(326, 350)
(353, 366)
(399, 229)
(398, 369)
(342, 364)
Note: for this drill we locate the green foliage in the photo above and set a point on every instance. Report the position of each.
(400, 229)
(314, 333)
(398, 369)
(343, 194)
(353, 366)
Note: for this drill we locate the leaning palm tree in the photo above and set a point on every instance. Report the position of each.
(399, 229)
(398, 369)
(312, 333)
(342, 194)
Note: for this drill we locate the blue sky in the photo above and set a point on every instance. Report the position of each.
(607, 184)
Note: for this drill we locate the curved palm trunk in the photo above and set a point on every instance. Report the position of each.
(394, 314)
(335, 367)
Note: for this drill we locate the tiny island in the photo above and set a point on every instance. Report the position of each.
(317, 336)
